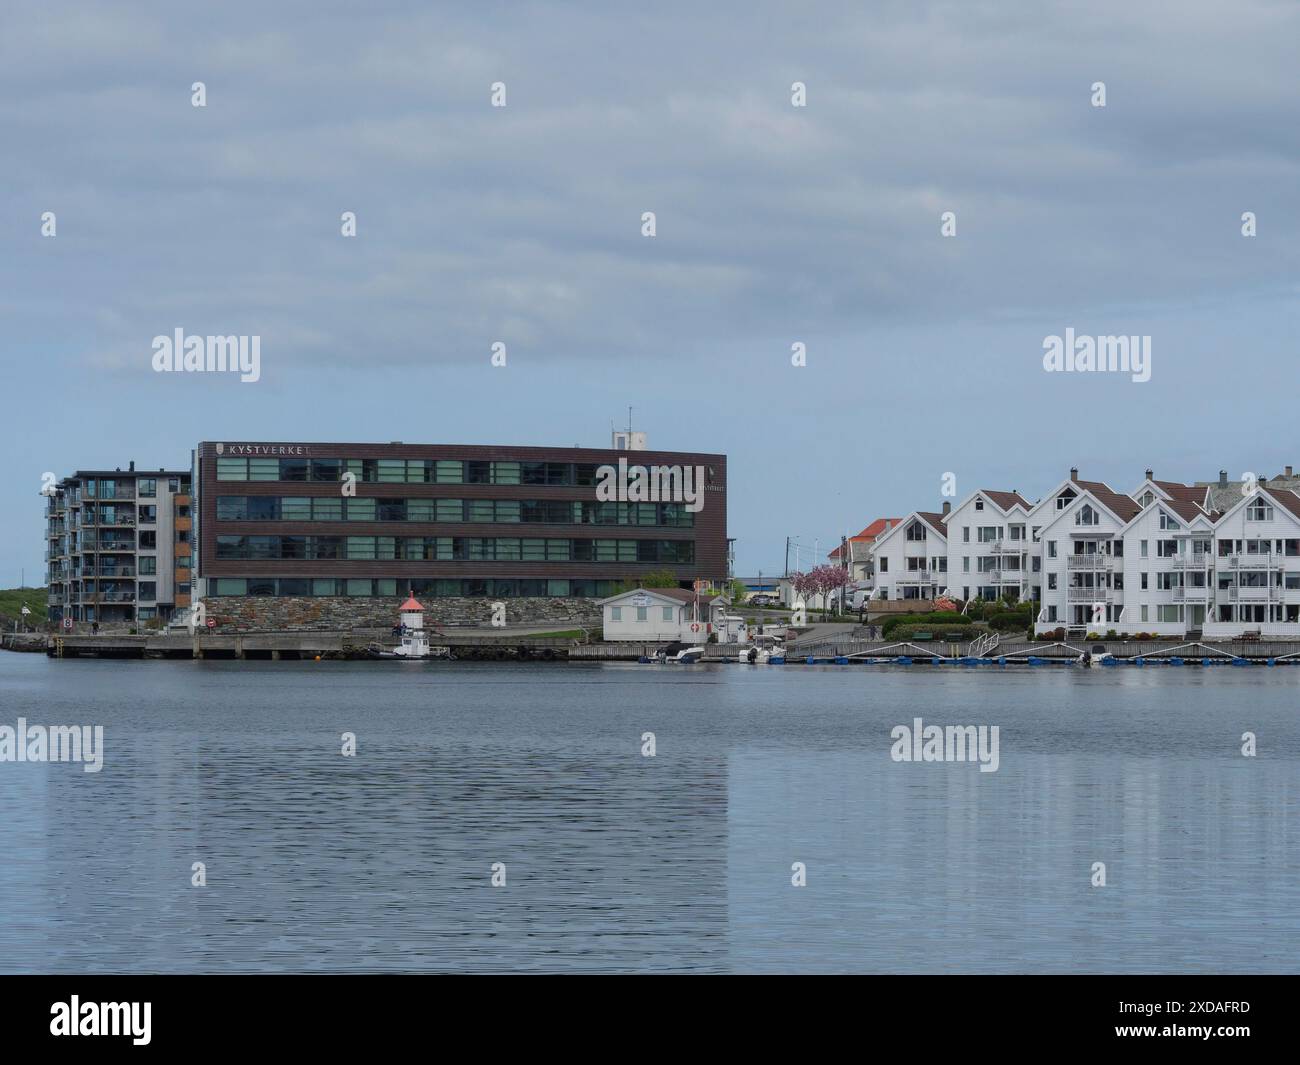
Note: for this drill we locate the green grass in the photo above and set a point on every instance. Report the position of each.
(12, 600)
(567, 634)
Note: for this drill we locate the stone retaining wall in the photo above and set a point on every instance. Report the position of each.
(339, 613)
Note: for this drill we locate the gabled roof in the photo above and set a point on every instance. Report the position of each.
(1283, 497)
(868, 534)
(1185, 509)
(1287, 498)
(410, 604)
(1126, 508)
(676, 595)
(1188, 493)
(930, 518)
(934, 520)
(1007, 500)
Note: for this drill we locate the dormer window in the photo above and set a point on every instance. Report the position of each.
(1064, 499)
(1148, 498)
(1166, 522)
(1259, 512)
(979, 504)
(1087, 516)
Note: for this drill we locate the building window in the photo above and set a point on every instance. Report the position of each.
(642, 613)
(668, 613)
(147, 486)
(616, 613)
(148, 564)
(148, 591)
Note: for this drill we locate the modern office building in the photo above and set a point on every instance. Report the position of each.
(118, 545)
(356, 521)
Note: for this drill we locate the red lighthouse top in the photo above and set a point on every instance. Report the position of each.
(410, 605)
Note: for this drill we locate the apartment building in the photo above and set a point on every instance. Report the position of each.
(911, 557)
(1213, 560)
(118, 545)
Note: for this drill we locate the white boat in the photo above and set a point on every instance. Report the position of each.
(763, 650)
(675, 652)
(1091, 661)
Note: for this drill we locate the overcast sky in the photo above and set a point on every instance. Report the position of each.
(775, 225)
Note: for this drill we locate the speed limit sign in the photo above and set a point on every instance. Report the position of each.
(67, 623)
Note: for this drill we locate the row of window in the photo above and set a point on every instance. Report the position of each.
(516, 511)
(454, 549)
(407, 471)
(109, 488)
(497, 588)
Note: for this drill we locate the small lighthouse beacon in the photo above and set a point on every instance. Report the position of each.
(415, 644)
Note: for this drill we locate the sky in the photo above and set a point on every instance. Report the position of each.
(775, 225)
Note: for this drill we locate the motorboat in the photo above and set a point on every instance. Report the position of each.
(763, 650)
(679, 652)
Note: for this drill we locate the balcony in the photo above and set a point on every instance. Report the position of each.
(921, 577)
(1252, 594)
(1077, 594)
(111, 597)
(1264, 561)
(1091, 561)
(1196, 560)
(1191, 594)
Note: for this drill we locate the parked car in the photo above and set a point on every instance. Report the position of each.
(762, 599)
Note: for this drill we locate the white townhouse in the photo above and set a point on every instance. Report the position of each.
(1168, 567)
(1082, 553)
(911, 558)
(1257, 566)
(989, 548)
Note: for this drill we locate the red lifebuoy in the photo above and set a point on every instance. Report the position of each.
(695, 627)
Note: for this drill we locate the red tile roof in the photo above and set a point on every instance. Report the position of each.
(869, 533)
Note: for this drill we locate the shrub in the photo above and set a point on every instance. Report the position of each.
(938, 619)
(1007, 620)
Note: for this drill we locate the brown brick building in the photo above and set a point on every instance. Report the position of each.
(309, 520)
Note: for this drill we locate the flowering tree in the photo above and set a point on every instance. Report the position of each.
(818, 582)
(828, 578)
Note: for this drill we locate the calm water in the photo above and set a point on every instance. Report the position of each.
(681, 862)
